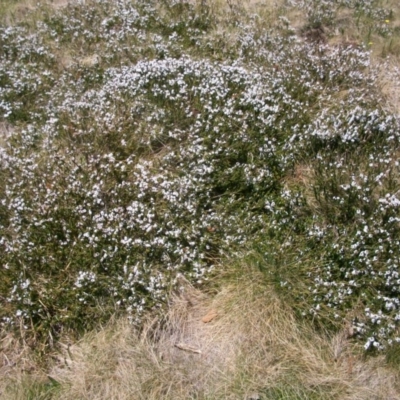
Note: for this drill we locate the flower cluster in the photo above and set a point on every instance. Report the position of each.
(160, 146)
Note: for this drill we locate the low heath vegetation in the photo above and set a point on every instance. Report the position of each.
(146, 142)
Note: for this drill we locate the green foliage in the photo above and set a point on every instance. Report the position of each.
(162, 145)
(33, 389)
(293, 392)
(393, 356)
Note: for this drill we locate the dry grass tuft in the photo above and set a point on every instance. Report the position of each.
(389, 81)
(18, 365)
(18, 10)
(5, 132)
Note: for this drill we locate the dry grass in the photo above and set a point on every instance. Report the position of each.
(17, 10)
(250, 345)
(389, 81)
(12, 10)
(5, 132)
(18, 365)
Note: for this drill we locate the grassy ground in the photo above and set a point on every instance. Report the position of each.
(252, 347)
(199, 200)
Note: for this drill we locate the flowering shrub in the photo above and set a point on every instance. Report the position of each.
(171, 147)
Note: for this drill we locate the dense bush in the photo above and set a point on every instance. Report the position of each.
(159, 148)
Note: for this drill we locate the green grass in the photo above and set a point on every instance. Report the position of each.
(287, 393)
(31, 389)
(393, 356)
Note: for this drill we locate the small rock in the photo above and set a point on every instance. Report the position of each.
(253, 396)
(209, 316)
